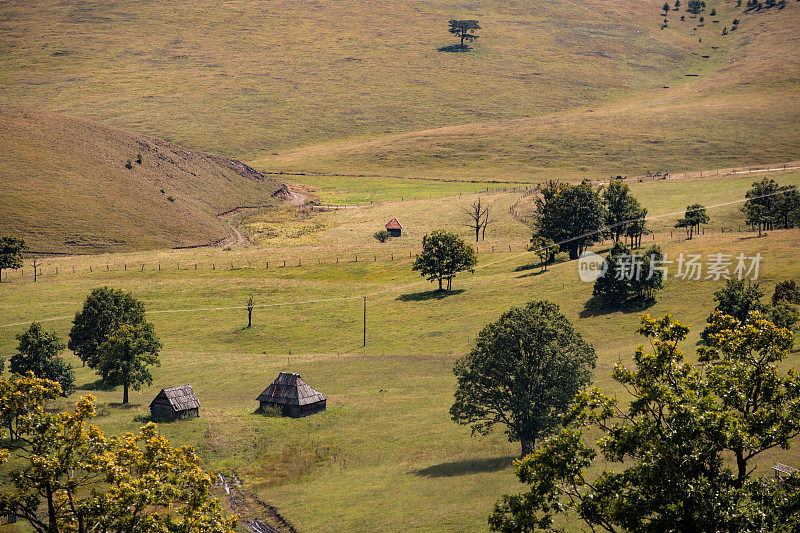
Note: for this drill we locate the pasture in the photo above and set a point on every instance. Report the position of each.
(385, 455)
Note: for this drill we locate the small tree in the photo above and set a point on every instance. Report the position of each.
(787, 292)
(695, 6)
(382, 235)
(465, 30)
(544, 248)
(11, 249)
(737, 300)
(665, 7)
(104, 311)
(523, 373)
(612, 288)
(443, 256)
(126, 355)
(39, 352)
(250, 305)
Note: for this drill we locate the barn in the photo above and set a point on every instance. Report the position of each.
(175, 403)
(394, 228)
(293, 396)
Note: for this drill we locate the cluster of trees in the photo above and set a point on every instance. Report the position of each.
(629, 277)
(694, 216)
(679, 455)
(110, 335)
(65, 475)
(770, 205)
(574, 217)
(738, 301)
(478, 214)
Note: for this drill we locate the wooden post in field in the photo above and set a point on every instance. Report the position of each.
(365, 322)
(34, 270)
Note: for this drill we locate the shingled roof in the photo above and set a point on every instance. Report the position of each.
(290, 389)
(393, 224)
(180, 398)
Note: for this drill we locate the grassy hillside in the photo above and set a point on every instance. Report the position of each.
(66, 188)
(552, 86)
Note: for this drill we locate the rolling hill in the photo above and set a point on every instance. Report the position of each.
(554, 86)
(66, 187)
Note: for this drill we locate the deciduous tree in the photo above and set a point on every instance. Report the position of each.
(464, 30)
(571, 215)
(443, 256)
(522, 374)
(11, 250)
(39, 352)
(104, 311)
(544, 248)
(478, 214)
(66, 476)
(694, 216)
(126, 355)
(680, 455)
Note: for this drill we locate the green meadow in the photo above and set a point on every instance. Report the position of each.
(385, 455)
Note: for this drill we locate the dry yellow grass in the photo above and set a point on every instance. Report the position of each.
(66, 188)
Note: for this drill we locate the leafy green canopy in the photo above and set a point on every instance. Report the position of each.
(681, 453)
(64, 475)
(11, 249)
(104, 311)
(126, 355)
(572, 216)
(630, 276)
(694, 215)
(39, 352)
(464, 29)
(443, 256)
(523, 373)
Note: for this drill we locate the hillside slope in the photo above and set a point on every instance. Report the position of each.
(735, 102)
(65, 187)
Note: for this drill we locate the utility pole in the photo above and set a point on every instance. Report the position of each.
(365, 323)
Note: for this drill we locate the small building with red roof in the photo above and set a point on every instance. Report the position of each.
(394, 228)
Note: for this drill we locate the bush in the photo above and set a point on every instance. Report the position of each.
(129, 165)
(171, 198)
(382, 235)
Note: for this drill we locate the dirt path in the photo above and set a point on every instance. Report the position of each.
(246, 505)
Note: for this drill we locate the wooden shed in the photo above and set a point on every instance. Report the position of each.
(175, 403)
(394, 228)
(293, 396)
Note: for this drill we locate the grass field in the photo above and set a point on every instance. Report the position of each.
(385, 456)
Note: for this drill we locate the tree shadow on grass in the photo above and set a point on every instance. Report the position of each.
(97, 385)
(455, 48)
(466, 467)
(594, 308)
(428, 295)
(120, 405)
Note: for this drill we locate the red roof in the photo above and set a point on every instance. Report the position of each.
(393, 224)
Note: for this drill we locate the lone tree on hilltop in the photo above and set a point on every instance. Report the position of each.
(11, 249)
(443, 256)
(104, 311)
(126, 355)
(39, 352)
(465, 30)
(523, 373)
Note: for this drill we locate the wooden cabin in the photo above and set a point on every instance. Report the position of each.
(175, 403)
(394, 228)
(293, 396)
